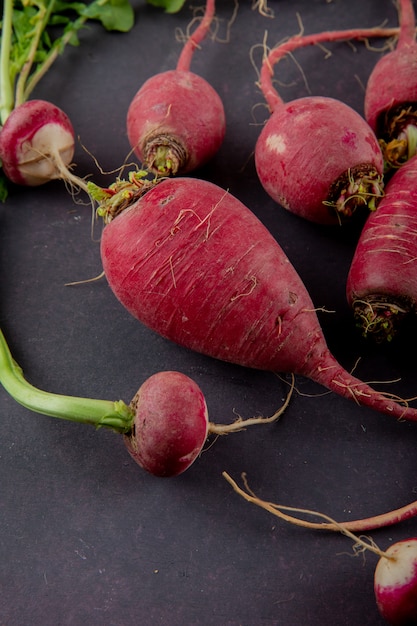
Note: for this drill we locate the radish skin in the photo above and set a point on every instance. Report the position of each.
(176, 121)
(391, 94)
(36, 143)
(303, 134)
(395, 583)
(194, 264)
(382, 280)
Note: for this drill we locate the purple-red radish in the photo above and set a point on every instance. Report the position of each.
(194, 264)
(382, 280)
(395, 577)
(36, 136)
(164, 427)
(391, 94)
(176, 121)
(303, 135)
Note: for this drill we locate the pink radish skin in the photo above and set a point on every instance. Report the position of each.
(194, 264)
(391, 93)
(382, 281)
(36, 143)
(176, 121)
(302, 135)
(395, 583)
(171, 424)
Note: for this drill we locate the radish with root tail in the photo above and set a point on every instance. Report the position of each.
(395, 578)
(194, 264)
(36, 137)
(176, 121)
(303, 135)
(391, 94)
(164, 427)
(382, 280)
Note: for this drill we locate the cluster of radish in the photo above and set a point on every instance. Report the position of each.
(164, 255)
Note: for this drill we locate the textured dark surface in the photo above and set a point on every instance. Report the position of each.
(86, 536)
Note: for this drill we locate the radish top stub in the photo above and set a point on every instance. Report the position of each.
(395, 584)
(177, 110)
(306, 146)
(32, 136)
(171, 424)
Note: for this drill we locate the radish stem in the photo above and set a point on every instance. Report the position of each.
(6, 87)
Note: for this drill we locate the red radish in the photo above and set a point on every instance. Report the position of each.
(164, 427)
(194, 264)
(395, 583)
(391, 94)
(302, 135)
(395, 578)
(176, 121)
(382, 280)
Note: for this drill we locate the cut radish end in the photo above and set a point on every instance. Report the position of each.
(395, 583)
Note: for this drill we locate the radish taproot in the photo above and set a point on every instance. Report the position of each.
(164, 427)
(194, 264)
(395, 577)
(382, 280)
(36, 137)
(301, 135)
(176, 121)
(391, 94)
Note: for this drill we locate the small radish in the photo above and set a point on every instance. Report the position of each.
(37, 137)
(316, 156)
(164, 427)
(176, 121)
(391, 94)
(382, 280)
(194, 264)
(395, 578)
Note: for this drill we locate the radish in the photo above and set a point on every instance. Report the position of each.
(382, 280)
(302, 135)
(37, 137)
(176, 121)
(395, 578)
(164, 427)
(391, 94)
(194, 264)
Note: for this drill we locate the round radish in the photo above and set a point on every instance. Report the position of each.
(391, 94)
(193, 263)
(395, 583)
(176, 121)
(316, 156)
(171, 424)
(36, 143)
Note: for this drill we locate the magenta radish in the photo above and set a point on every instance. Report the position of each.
(302, 135)
(176, 121)
(191, 262)
(391, 94)
(164, 427)
(395, 578)
(37, 137)
(382, 280)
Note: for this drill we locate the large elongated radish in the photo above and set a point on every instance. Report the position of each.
(382, 281)
(176, 121)
(193, 263)
(304, 134)
(391, 94)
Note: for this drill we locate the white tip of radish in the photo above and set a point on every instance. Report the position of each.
(395, 584)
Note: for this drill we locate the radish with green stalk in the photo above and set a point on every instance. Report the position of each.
(395, 578)
(176, 121)
(391, 94)
(302, 135)
(37, 138)
(164, 427)
(195, 265)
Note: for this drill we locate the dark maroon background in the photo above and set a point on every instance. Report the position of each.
(86, 536)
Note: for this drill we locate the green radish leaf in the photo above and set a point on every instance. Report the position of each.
(113, 14)
(170, 6)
